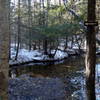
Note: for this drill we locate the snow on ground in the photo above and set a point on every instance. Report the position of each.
(26, 55)
(59, 54)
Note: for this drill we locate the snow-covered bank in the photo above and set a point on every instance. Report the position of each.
(26, 55)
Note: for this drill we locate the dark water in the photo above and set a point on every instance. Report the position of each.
(71, 72)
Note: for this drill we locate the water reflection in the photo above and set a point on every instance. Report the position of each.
(79, 81)
(97, 81)
(82, 93)
(71, 73)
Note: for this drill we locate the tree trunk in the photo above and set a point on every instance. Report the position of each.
(45, 46)
(9, 33)
(19, 31)
(4, 48)
(30, 24)
(90, 64)
(71, 42)
(60, 13)
(66, 45)
(91, 49)
(39, 45)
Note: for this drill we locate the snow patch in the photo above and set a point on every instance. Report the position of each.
(26, 55)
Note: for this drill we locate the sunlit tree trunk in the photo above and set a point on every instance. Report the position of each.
(4, 48)
(91, 49)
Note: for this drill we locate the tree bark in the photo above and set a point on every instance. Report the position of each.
(45, 46)
(91, 49)
(4, 48)
(30, 24)
(19, 31)
(9, 33)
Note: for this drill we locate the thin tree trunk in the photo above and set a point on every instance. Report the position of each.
(45, 47)
(45, 23)
(60, 13)
(66, 45)
(34, 45)
(72, 42)
(78, 43)
(15, 42)
(19, 31)
(9, 33)
(39, 45)
(30, 24)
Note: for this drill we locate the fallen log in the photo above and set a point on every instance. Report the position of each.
(34, 61)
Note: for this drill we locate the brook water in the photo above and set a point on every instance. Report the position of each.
(71, 72)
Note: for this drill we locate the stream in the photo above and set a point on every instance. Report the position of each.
(71, 73)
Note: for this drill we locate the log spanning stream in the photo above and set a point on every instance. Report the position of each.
(70, 72)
